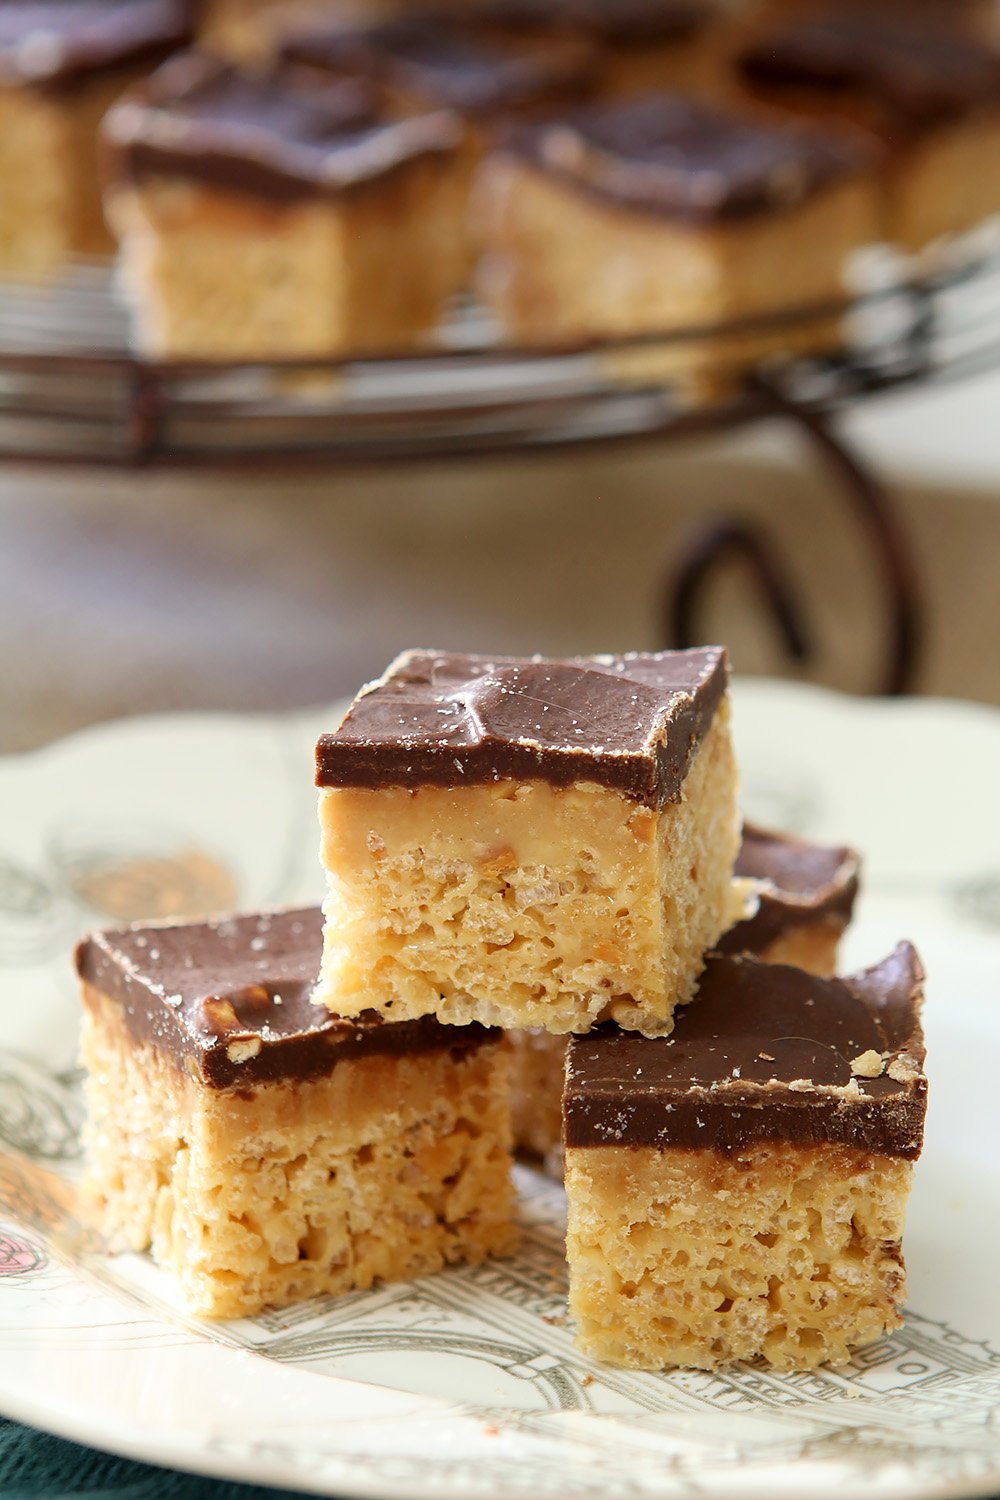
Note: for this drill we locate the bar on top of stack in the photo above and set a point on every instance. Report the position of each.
(265, 1150)
(529, 842)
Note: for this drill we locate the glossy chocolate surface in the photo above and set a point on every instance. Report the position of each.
(763, 1052)
(796, 884)
(281, 134)
(48, 42)
(443, 63)
(631, 723)
(909, 65)
(676, 155)
(197, 991)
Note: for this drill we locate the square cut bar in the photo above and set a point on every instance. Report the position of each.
(738, 1189)
(261, 214)
(804, 895)
(528, 842)
(265, 1150)
(926, 92)
(62, 63)
(664, 214)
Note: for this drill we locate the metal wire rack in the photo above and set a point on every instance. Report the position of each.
(72, 391)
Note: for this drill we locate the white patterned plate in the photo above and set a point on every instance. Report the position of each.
(467, 1384)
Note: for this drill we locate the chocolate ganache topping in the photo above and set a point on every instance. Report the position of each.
(631, 723)
(912, 68)
(676, 155)
(230, 1000)
(443, 63)
(764, 1052)
(49, 42)
(796, 884)
(281, 134)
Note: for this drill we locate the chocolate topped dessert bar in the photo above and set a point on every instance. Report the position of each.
(62, 62)
(528, 842)
(926, 92)
(704, 216)
(739, 1188)
(267, 1150)
(261, 213)
(803, 897)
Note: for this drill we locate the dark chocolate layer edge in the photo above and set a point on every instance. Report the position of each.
(888, 1126)
(312, 1044)
(883, 1115)
(651, 779)
(147, 135)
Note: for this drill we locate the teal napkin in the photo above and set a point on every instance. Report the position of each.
(37, 1466)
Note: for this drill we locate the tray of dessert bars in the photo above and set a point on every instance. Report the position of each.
(72, 390)
(391, 234)
(471, 1381)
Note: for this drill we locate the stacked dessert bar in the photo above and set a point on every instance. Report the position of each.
(551, 849)
(266, 1151)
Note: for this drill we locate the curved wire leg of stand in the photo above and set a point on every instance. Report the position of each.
(871, 505)
(874, 509)
(706, 546)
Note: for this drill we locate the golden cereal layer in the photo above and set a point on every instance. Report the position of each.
(692, 1258)
(390, 1168)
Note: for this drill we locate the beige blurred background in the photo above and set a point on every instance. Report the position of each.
(138, 592)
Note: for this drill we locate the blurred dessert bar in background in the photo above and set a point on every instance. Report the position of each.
(266, 1151)
(62, 62)
(665, 212)
(529, 842)
(263, 214)
(738, 1190)
(926, 92)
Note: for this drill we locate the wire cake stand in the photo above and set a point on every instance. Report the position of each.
(73, 391)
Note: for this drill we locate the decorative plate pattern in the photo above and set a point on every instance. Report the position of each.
(468, 1383)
